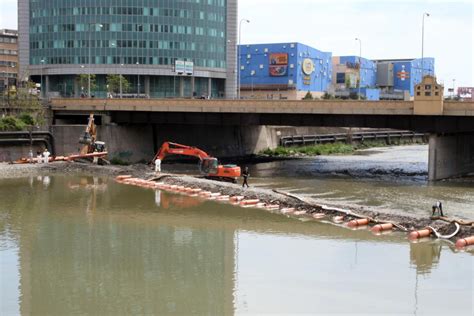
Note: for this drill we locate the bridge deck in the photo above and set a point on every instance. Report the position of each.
(255, 106)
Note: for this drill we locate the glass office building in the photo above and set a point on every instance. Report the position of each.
(140, 39)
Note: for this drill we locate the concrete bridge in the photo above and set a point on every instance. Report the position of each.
(239, 126)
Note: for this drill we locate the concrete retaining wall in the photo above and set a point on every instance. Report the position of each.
(14, 152)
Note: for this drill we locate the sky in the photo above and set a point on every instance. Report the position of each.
(387, 29)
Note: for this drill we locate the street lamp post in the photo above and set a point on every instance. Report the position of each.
(138, 81)
(238, 56)
(423, 44)
(120, 80)
(41, 80)
(360, 66)
(454, 80)
(90, 63)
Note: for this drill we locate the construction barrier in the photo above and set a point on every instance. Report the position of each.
(464, 242)
(382, 227)
(358, 222)
(417, 234)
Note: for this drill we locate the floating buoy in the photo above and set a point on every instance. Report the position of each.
(287, 210)
(205, 193)
(249, 202)
(260, 205)
(123, 177)
(338, 219)
(419, 234)
(237, 198)
(222, 198)
(319, 215)
(382, 227)
(272, 206)
(215, 194)
(299, 213)
(358, 222)
(463, 242)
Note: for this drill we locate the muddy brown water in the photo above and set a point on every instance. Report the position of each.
(88, 245)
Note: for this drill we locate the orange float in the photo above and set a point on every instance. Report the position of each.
(123, 177)
(272, 206)
(382, 227)
(464, 242)
(358, 222)
(417, 234)
(237, 198)
(319, 215)
(249, 202)
(299, 213)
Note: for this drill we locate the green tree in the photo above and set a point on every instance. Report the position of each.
(113, 82)
(327, 96)
(308, 96)
(83, 81)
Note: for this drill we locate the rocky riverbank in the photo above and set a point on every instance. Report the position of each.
(307, 208)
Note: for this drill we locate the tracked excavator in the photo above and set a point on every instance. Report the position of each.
(208, 166)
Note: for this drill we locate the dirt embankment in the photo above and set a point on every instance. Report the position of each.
(303, 207)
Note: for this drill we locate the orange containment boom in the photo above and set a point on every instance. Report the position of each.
(464, 242)
(382, 227)
(417, 234)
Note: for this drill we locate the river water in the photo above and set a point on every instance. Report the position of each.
(88, 245)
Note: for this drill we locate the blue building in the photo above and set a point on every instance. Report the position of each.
(393, 78)
(406, 73)
(283, 71)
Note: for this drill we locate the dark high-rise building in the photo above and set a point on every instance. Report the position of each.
(164, 48)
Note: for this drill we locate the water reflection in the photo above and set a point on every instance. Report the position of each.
(425, 255)
(91, 246)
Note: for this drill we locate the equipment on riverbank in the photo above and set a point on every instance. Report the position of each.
(91, 145)
(209, 166)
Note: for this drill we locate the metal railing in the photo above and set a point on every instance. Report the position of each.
(26, 137)
(302, 140)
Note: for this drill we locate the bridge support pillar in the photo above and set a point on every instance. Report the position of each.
(450, 156)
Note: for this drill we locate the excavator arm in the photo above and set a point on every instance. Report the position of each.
(169, 148)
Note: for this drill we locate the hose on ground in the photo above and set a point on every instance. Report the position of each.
(438, 235)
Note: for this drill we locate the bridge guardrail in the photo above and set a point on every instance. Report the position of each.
(298, 140)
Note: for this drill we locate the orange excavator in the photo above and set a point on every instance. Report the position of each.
(209, 166)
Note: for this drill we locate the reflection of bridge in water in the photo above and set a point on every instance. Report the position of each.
(122, 253)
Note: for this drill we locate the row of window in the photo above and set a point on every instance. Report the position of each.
(171, 45)
(8, 63)
(127, 27)
(118, 60)
(8, 52)
(8, 39)
(8, 75)
(137, 11)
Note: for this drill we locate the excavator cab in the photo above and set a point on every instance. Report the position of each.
(209, 165)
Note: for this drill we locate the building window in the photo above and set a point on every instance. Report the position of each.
(340, 77)
(428, 94)
(418, 93)
(436, 93)
(427, 87)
